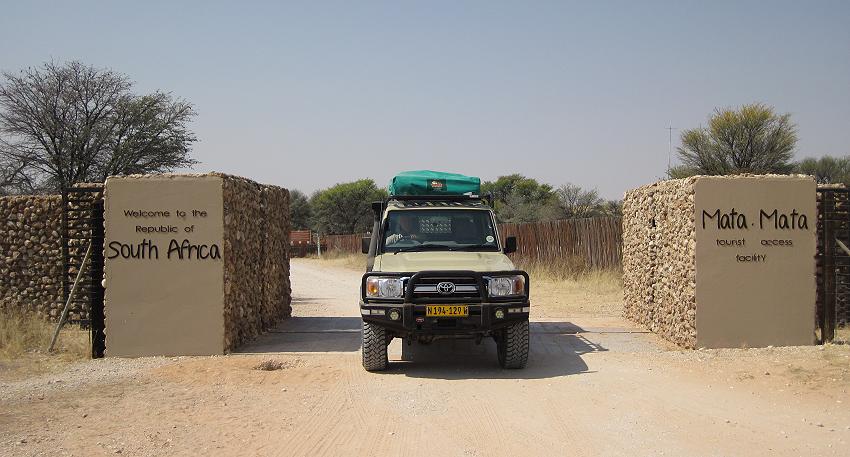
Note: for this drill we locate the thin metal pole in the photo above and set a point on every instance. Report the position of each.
(65, 232)
(670, 147)
(843, 246)
(70, 297)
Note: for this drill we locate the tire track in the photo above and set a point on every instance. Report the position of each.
(326, 415)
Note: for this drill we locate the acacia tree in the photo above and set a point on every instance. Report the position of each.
(826, 170)
(345, 208)
(11, 178)
(613, 208)
(576, 202)
(61, 124)
(517, 198)
(753, 139)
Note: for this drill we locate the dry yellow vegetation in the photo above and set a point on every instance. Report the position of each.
(561, 289)
(343, 259)
(24, 339)
(593, 293)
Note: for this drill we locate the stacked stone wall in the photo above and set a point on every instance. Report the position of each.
(31, 254)
(81, 224)
(256, 258)
(659, 259)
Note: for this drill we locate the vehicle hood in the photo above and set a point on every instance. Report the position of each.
(442, 260)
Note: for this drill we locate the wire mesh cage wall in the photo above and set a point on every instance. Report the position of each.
(82, 224)
(833, 263)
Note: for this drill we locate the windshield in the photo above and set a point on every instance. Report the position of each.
(448, 230)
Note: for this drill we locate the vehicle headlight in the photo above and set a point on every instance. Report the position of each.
(384, 287)
(506, 285)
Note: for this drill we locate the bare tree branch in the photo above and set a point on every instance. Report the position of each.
(69, 123)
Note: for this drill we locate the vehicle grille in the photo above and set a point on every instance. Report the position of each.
(465, 287)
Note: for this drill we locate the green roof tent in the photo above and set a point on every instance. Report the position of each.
(426, 182)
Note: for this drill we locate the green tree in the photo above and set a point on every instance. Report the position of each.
(752, 139)
(70, 123)
(682, 171)
(346, 207)
(299, 210)
(517, 198)
(826, 170)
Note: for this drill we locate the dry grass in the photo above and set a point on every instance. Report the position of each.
(24, 339)
(569, 287)
(564, 269)
(608, 283)
(842, 335)
(560, 289)
(341, 259)
(595, 293)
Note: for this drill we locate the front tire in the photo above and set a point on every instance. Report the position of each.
(374, 347)
(513, 346)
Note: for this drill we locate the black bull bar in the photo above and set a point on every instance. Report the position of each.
(414, 278)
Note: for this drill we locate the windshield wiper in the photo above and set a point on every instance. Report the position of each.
(473, 246)
(423, 247)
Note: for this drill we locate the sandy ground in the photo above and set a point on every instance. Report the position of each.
(595, 385)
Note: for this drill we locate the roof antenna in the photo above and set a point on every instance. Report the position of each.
(670, 129)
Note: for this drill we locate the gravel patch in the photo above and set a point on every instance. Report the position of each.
(80, 375)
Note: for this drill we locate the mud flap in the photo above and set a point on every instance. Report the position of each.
(406, 351)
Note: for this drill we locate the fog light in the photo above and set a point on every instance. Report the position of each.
(395, 315)
(500, 314)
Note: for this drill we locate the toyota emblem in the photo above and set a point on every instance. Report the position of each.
(446, 288)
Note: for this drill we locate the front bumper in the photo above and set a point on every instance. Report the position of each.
(482, 318)
(413, 321)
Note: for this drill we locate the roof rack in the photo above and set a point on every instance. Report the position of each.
(378, 207)
(454, 198)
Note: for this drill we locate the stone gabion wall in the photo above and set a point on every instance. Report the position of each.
(277, 293)
(82, 208)
(31, 254)
(256, 258)
(842, 301)
(659, 259)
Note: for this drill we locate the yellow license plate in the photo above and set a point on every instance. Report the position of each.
(447, 310)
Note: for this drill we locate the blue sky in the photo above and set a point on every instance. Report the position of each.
(307, 94)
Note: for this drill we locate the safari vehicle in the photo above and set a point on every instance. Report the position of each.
(437, 269)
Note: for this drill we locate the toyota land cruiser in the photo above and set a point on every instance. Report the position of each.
(437, 268)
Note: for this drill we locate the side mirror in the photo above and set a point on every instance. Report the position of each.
(377, 210)
(364, 244)
(510, 245)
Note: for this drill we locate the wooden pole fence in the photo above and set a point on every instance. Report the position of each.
(597, 241)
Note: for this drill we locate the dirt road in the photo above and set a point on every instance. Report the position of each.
(594, 386)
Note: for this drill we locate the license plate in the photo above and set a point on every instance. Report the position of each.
(447, 310)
